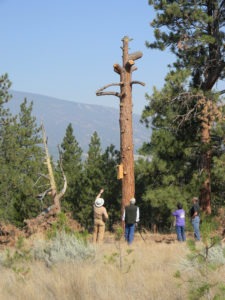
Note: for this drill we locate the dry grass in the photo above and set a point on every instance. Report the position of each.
(147, 273)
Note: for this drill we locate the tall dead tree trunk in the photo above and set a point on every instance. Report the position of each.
(126, 127)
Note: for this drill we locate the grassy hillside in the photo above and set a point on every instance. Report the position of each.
(147, 272)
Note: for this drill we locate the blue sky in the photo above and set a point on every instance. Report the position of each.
(66, 49)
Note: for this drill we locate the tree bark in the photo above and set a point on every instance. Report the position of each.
(126, 128)
(126, 122)
(205, 190)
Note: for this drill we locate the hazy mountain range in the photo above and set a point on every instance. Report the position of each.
(56, 114)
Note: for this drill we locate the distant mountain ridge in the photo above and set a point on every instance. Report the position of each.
(56, 114)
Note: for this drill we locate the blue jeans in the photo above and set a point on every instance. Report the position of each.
(129, 233)
(180, 230)
(195, 223)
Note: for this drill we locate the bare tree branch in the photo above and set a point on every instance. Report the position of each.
(221, 92)
(138, 82)
(100, 92)
(108, 94)
(43, 194)
(62, 192)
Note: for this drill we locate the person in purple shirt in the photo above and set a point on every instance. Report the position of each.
(180, 222)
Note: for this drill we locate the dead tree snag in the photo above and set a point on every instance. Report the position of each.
(46, 218)
(53, 190)
(126, 127)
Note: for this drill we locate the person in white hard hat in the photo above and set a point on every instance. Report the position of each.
(100, 217)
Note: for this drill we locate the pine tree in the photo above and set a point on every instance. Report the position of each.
(172, 158)
(22, 159)
(30, 162)
(8, 172)
(186, 113)
(112, 186)
(5, 121)
(92, 182)
(72, 166)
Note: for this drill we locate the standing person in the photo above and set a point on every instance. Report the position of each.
(100, 217)
(130, 217)
(195, 218)
(180, 222)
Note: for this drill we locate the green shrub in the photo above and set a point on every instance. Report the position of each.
(63, 247)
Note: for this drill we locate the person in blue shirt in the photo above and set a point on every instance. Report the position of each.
(180, 222)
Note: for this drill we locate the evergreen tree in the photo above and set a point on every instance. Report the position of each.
(172, 154)
(8, 171)
(22, 159)
(5, 85)
(186, 113)
(112, 186)
(5, 122)
(72, 166)
(30, 159)
(92, 182)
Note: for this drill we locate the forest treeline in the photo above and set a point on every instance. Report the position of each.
(185, 156)
(163, 177)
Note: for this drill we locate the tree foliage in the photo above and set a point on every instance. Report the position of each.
(112, 186)
(72, 166)
(194, 32)
(91, 182)
(21, 162)
(28, 163)
(186, 115)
